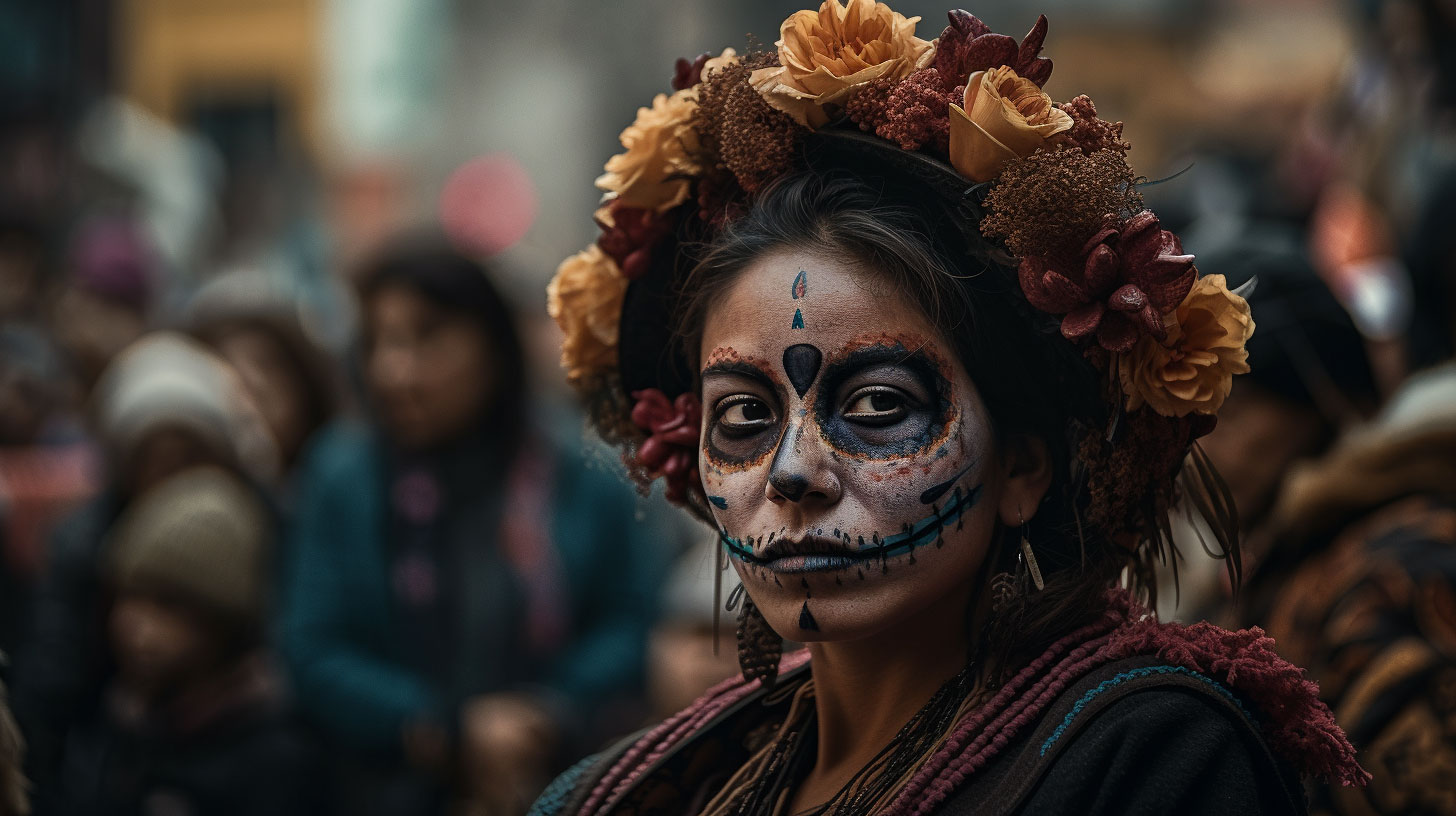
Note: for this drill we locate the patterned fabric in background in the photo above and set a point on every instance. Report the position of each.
(1373, 618)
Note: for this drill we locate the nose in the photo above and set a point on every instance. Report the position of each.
(801, 470)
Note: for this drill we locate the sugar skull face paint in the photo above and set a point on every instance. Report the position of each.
(846, 454)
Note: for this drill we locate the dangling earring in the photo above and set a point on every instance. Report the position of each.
(1030, 556)
(759, 646)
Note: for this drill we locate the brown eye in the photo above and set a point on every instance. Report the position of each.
(743, 415)
(877, 406)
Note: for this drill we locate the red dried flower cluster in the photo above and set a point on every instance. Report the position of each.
(1129, 275)
(1090, 133)
(915, 114)
(671, 448)
(628, 236)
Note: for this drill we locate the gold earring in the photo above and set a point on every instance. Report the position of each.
(1030, 557)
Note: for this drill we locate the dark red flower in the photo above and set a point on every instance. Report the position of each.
(968, 45)
(687, 74)
(671, 448)
(628, 236)
(1123, 282)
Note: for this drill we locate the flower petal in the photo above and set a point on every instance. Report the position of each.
(1082, 321)
(1116, 333)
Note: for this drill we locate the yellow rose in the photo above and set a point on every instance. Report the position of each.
(1193, 371)
(585, 300)
(1005, 117)
(655, 172)
(825, 56)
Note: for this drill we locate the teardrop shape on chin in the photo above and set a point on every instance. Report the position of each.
(806, 619)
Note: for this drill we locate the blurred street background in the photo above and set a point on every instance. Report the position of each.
(296, 514)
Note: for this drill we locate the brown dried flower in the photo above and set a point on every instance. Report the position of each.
(739, 132)
(1051, 202)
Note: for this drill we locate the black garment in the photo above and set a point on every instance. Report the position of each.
(1165, 742)
(250, 762)
(63, 662)
(1161, 751)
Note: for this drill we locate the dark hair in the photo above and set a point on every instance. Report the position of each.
(431, 268)
(1035, 384)
(309, 367)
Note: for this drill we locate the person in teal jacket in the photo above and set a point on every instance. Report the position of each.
(455, 611)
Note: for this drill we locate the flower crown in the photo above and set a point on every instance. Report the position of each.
(1057, 194)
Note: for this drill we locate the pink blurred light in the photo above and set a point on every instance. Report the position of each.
(488, 204)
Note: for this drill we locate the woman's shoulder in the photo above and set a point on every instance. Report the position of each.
(636, 765)
(1177, 741)
(1137, 736)
(345, 449)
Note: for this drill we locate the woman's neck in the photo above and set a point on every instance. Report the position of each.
(866, 690)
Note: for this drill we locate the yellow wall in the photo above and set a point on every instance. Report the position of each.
(173, 50)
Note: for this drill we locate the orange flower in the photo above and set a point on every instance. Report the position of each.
(1006, 117)
(656, 171)
(828, 55)
(585, 300)
(1193, 371)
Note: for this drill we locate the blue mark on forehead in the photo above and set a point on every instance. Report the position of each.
(801, 285)
(798, 320)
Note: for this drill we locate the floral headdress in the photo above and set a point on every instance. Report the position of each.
(1056, 196)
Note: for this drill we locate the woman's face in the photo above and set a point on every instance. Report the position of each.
(263, 366)
(428, 368)
(846, 455)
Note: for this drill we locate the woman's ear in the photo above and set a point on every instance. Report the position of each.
(1026, 473)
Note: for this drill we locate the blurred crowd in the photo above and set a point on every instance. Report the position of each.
(290, 523)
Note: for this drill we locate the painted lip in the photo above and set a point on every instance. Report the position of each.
(811, 553)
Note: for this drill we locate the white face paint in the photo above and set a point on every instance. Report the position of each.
(845, 451)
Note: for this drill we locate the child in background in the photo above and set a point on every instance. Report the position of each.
(193, 721)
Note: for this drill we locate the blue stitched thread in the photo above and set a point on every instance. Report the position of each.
(1133, 674)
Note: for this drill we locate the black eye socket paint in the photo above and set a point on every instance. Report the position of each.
(917, 432)
(801, 363)
(730, 452)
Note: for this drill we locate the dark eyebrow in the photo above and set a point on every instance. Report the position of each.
(883, 354)
(738, 368)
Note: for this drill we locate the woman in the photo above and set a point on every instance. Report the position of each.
(444, 621)
(899, 329)
(287, 375)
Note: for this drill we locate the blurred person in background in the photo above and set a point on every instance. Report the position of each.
(1360, 587)
(457, 618)
(22, 265)
(692, 647)
(14, 790)
(105, 300)
(1309, 381)
(47, 463)
(193, 720)
(164, 405)
(289, 378)
(1379, 229)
